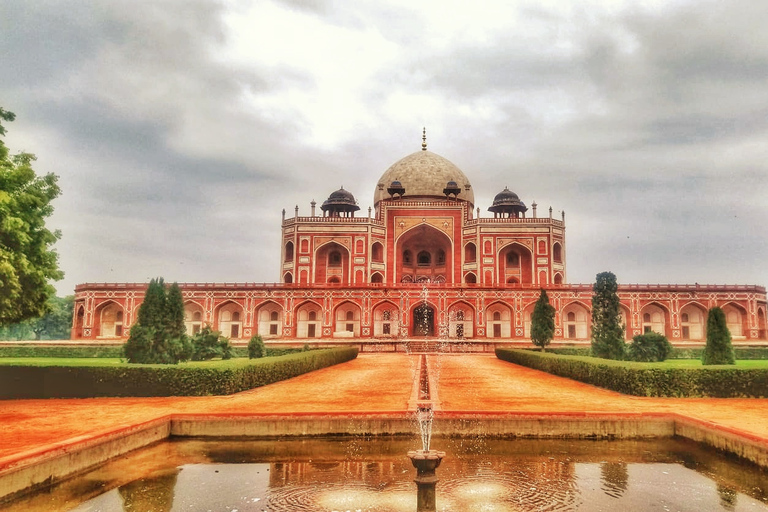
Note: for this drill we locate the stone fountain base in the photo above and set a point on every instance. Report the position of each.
(425, 462)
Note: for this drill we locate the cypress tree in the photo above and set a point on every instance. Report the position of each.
(159, 335)
(152, 308)
(174, 313)
(607, 331)
(719, 349)
(542, 321)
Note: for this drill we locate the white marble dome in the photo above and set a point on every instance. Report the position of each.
(424, 174)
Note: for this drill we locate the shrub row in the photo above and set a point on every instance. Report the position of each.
(643, 379)
(78, 351)
(211, 378)
(744, 353)
(61, 351)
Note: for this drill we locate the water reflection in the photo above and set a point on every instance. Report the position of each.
(487, 474)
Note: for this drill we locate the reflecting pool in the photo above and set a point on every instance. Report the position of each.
(360, 474)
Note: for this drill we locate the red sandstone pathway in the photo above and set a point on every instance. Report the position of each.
(371, 383)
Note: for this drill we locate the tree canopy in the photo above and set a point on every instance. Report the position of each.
(719, 349)
(542, 321)
(607, 331)
(27, 261)
(159, 335)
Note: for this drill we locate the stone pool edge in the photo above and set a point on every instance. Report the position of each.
(27, 471)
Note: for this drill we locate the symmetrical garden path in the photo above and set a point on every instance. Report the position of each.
(370, 383)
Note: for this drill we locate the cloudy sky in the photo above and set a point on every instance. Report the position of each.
(181, 129)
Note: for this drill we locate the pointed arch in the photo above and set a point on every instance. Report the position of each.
(229, 319)
(78, 322)
(470, 252)
(557, 252)
(377, 278)
(386, 319)
(287, 278)
(423, 315)
(736, 319)
(347, 317)
(693, 321)
(575, 317)
(194, 316)
(377, 252)
(654, 317)
(332, 263)
(309, 319)
(515, 261)
(269, 319)
(288, 252)
(499, 320)
(470, 278)
(109, 318)
(431, 254)
(461, 320)
(761, 322)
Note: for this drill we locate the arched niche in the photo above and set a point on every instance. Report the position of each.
(269, 318)
(229, 319)
(386, 320)
(515, 263)
(498, 320)
(424, 254)
(309, 320)
(194, 316)
(347, 320)
(332, 264)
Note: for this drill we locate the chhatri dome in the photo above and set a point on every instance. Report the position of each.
(424, 174)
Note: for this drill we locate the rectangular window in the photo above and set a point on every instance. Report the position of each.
(350, 327)
(385, 329)
(686, 332)
(235, 331)
(118, 330)
(311, 331)
(496, 331)
(273, 329)
(647, 329)
(571, 331)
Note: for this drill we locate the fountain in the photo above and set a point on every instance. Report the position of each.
(426, 460)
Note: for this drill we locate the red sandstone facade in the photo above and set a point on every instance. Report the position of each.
(424, 264)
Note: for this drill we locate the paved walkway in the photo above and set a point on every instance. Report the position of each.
(370, 383)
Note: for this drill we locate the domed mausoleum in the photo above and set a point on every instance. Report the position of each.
(422, 264)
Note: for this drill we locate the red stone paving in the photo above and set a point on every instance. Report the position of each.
(371, 383)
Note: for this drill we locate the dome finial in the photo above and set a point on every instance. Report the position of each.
(424, 139)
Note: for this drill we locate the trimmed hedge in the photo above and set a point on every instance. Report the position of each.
(114, 351)
(642, 379)
(744, 353)
(61, 351)
(210, 378)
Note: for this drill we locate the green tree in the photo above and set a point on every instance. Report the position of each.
(719, 349)
(256, 347)
(607, 331)
(649, 347)
(542, 321)
(56, 324)
(159, 335)
(27, 260)
(208, 344)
